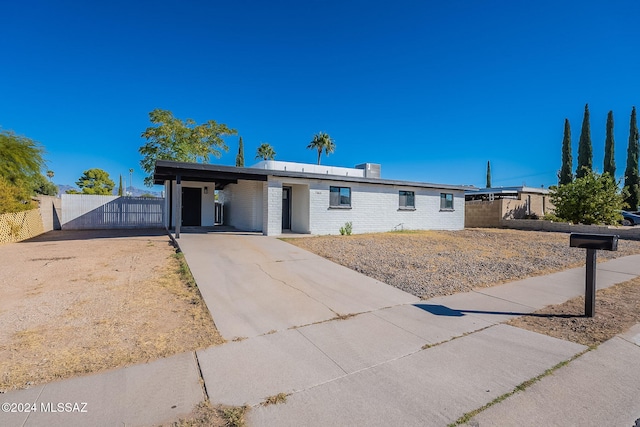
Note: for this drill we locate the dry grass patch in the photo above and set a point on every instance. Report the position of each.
(275, 399)
(81, 306)
(617, 310)
(206, 415)
(436, 263)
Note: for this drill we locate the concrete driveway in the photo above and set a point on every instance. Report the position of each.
(254, 284)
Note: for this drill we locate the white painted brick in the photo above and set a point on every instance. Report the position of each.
(272, 202)
(375, 208)
(255, 206)
(243, 205)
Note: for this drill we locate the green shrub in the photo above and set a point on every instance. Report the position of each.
(592, 199)
(346, 229)
(552, 217)
(14, 198)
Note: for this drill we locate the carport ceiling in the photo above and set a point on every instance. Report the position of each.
(221, 175)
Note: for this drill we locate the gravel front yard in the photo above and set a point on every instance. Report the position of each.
(435, 263)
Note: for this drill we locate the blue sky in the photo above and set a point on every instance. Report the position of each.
(430, 90)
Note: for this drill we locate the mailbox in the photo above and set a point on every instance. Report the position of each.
(592, 243)
(603, 242)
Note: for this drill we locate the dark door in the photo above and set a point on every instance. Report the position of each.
(286, 208)
(191, 206)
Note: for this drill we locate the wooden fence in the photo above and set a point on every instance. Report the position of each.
(82, 211)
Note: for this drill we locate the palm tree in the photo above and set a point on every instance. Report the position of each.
(265, 152)
(322, 142)
(50, 174)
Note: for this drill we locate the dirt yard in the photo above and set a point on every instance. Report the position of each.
(617, 309)
(81, 302)
(435, 263)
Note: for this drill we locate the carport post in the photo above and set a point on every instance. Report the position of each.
(178, 209)
(590, 291)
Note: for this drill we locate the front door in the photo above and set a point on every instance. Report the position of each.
(191, 206)
(286, 208)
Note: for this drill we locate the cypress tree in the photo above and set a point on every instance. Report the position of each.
(488, 174)
(609, 161)
(120, 186)
(240, 156)
(585, 150)
(631, 178)
(566, 175)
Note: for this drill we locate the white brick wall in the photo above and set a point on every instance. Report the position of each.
(375, 208)
(243, 205)
(257, 206)
(272, 207)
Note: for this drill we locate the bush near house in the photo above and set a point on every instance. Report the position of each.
(347, 229)
(590, 199)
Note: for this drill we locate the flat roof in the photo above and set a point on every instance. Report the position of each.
(223, 175)
(507, 190)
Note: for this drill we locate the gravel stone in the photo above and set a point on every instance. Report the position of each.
(437, 263)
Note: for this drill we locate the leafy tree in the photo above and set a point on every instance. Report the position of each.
(184, 141)
(20, 164)
(40, 185)
(585, 149)
(488, 174)
(265, 152)
(240, 155)
(566, 175)
(95, 181)
(609, 160)
(322, 142)
(631, 176)
(20, 158)
(120, 193)
(590, 199)
(14, 198)
(50, 174)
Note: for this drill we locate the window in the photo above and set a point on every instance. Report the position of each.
(407, 200)
(339, 197)
(446, 201)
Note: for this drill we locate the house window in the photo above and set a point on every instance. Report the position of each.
(407, 200)
(340, 197)
(446, 201)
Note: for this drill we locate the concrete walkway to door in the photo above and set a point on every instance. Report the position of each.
(254, 284)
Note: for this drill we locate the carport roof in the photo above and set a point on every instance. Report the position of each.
(223, 175)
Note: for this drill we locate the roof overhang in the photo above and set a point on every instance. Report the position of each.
(167, 170)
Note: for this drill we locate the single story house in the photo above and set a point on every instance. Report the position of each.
(487, 207)
(273, 197)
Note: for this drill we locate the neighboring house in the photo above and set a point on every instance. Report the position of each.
(487, 207)
(275, 197)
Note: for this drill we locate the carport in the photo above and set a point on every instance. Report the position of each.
(184, 201)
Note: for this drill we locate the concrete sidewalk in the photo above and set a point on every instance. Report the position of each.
(601, 388)
(396, 361)
(146, 394)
